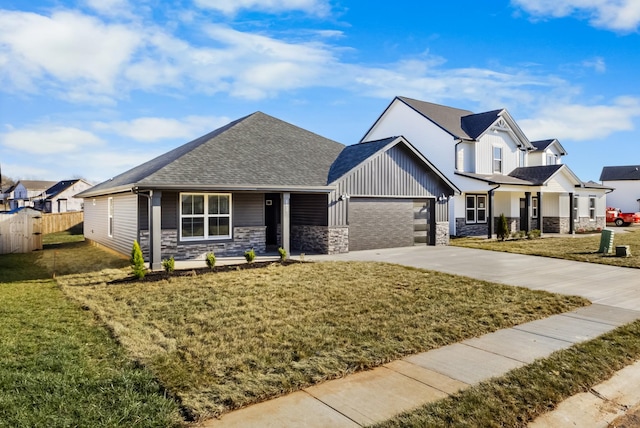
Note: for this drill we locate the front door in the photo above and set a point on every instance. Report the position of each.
(272, 217)
(523, 214)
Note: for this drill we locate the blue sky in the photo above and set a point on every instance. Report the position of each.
(90, 88)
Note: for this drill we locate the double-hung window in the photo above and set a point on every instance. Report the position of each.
(534, 207)
(497, 160)
(205, 216)
(592, 208)
(575, 208)
(476, 209)
(110, 211)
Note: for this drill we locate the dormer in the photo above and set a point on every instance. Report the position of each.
(546, 152)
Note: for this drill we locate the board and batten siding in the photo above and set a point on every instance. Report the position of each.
(394, 173)
(484, 152)
(125, 221)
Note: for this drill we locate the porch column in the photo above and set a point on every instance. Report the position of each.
(490, 220)
(527, 208)
(155, 232)
(540, 217)
(571, 208)
(286, 222)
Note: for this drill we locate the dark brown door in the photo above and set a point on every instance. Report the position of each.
(272, 217)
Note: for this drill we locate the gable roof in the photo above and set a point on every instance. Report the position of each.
(620, 173)
(447, 118)
(541, 145)
(353, 156)
(35, 185)
(58, 188)
(462, 124)
(256, 151)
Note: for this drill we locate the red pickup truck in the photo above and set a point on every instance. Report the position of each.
(622, 219)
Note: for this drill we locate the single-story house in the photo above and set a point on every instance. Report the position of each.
(260, 183)
(626, 182)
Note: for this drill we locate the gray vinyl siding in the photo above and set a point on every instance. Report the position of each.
(309, 209)
(169, 210)
(395, 173)
(248, 209)
(125, 222)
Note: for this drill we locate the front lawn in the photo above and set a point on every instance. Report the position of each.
(580, 248)
(224, 340)
(58, 366)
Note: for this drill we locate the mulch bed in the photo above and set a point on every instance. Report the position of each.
(154, 276)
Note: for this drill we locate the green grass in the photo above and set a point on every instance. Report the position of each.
(523, 394)
(224, 340)
(580, 248)
(74, 234)
(58, 366)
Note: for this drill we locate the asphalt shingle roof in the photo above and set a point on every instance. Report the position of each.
(542, 144)
(615, 173)
(476, 124)
(537, 175)
(448, 118)
(256, 150)
(353, 155)
(60, 186)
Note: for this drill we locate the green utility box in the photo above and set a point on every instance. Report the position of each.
(606, 242)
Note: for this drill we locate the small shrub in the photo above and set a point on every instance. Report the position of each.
(169, 265)
(250, 255)
(518, 235)
(137, 261)
(533, 234)
(211, 260)
(502, 230)
(283, 254)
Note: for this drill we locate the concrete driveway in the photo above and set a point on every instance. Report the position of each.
(603, 284)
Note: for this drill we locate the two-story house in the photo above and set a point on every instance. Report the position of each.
(625, 179)
(497, 169)
(60, 197)
(24, 192)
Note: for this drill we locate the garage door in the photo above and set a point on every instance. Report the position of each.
(387, 223)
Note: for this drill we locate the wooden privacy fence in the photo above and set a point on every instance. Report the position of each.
(21, 232)
(57, 222)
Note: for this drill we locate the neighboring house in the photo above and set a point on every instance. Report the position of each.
(25, 192)
(60, 197)
(259, 183)
(626, 182)
(497, 169)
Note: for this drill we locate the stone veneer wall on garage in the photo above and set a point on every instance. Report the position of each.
(442, 233)
(320, 239)
(244, 238)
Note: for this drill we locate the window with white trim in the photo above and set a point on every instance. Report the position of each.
(523, 158)
(110, 211)
(476, 209)
(575, 208)
(497, 160)
(592, 208)
(205, 216)
(534, 207)
(552, 159)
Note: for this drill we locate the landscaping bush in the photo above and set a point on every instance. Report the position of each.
(283, 254)
(137, 261)
(169, 265)
(533, 234)
(211, 260)
(502, 231)
(250, 255)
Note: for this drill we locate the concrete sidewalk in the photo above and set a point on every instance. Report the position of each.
(379, 394)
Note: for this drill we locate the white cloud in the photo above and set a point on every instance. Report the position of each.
(617, 15)
(49, 140)
(230, 7)
(157, 128)
(597, 64)
(111, 7)
(583, 122)
(65, 48)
